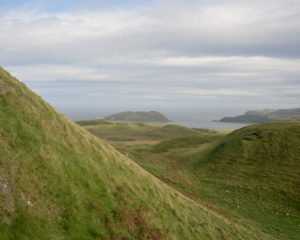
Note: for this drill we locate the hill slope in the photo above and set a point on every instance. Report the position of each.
(252, 174)
(57, 181)
(260, 166)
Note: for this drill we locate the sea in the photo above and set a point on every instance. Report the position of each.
(194, 118)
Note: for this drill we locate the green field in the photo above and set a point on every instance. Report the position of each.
(116, 133)
(250, 175)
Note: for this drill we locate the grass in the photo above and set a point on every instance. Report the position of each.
(94, 122)
(259, 164)
(136, 133)
(57, 181)
(187, 141)
(250, 175)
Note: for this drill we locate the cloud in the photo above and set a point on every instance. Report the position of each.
(169, 51)
(37, 73)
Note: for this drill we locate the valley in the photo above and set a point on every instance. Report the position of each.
(250, 175)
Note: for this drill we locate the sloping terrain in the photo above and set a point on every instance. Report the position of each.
(252, 174)
(259, 166)
(57, 181)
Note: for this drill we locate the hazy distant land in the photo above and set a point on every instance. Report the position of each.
(266, 115)
(139, 116)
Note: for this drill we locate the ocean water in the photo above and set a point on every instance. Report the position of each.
(196, 118)
(204, 118)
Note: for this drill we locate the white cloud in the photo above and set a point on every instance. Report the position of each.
(189, 48)
(220, 92)
(236, 62)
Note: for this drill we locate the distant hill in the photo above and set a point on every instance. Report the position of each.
(266, 115)
(57, 181)
(152, 116)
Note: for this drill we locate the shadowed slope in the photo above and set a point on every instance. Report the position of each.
(57, 181)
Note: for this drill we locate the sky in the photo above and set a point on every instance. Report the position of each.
(150, 54)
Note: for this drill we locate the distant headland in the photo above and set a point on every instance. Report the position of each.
(266, 115)
(139, 116)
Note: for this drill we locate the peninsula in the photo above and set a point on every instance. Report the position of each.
(139, 116)
(266, 115)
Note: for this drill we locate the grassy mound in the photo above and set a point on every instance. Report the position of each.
(259, 166)
(262, 151)
(57, 181)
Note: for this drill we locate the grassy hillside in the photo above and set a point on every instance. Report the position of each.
(250, 175)
(260, 166)
(57, 181)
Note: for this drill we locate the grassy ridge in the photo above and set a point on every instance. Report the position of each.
(57, 181)
(260, 165)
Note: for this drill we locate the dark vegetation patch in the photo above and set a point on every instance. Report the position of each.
(128, 220)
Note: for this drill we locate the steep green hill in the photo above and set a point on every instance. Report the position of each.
(262, 151)
(57, 181)
(259, 167)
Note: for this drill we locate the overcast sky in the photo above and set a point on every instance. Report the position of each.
(155, 54)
